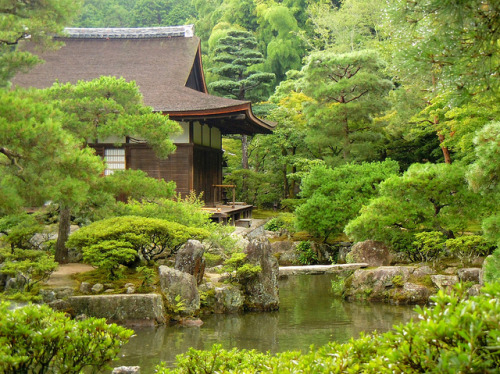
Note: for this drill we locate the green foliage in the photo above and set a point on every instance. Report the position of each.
(110, 106)
(29, 267)
(492, 267)
(237, 55)
(217, 360)
(338, 285)
(483, 175)
(178, 306)
(136, 185)
(18, 230)
(335, 196)
(185, 211)
(307, 255)
(109, 254)
(149, 237)
(239, 269)
(456, 335)
(254, 188)
(398, 281)
(426, 197)
(468, 247)
(126, 13)
(147, 274)
(348, 91)
(284, 221)
(428, 246)
(38, 20)
(36, 339)
(212, 259)
(39, 160)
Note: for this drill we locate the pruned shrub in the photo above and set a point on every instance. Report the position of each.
(428, 246)
(108, 255)
(468, 247)
(151, 238)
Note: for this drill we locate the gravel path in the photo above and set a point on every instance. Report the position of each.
(62, 276)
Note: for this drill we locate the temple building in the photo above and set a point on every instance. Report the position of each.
(166, 64)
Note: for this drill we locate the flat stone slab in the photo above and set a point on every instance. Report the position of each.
(136, 309)
(319, 269)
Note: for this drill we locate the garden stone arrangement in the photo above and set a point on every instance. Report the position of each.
(183, 294)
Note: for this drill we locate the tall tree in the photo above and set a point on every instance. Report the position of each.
(33, 19)
(348, 91)
(446, 49)
(237, 57)
(39, 160)
(278, 31)
(100, 108)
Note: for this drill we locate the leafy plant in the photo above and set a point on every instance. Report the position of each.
(36, 339)
(29, 267)
(284, 221)
(492, 267)
(18, 230)
(335, 196)
(428, 246)
(239, 269)
(147, 275)
(307, 255)
(338, 286)
(468, 247)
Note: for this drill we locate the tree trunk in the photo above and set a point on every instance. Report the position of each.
(61, 255)
(446, 151)
(244, 152)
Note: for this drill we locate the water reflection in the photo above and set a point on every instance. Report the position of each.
(309, 314)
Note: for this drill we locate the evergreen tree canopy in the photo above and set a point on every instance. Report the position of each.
(349, 90)
(33, 19)
(237, 55)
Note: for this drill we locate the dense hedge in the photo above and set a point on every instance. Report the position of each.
(150, 237)
(456, 335)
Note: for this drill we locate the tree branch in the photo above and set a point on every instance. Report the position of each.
(356, 97)
(13, 157)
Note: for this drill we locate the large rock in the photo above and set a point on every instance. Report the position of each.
(444, 282)
(469, 275)
(222, 298)
(190, 260)
(387, 283)
(178, 286)
(261, 291)
(144, 309)
(372, 252)
(286, 253)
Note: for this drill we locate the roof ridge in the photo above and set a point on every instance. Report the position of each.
(129, 32)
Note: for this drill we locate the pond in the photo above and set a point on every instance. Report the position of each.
(309, 314)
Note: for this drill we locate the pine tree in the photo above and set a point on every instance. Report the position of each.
(237, 57)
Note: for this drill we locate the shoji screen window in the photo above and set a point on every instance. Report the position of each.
(115, 160)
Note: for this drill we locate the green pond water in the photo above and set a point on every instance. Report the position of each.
(309, 314)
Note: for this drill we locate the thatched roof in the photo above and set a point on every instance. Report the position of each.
(165, 62)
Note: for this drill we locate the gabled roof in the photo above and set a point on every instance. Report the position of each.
(165, 62)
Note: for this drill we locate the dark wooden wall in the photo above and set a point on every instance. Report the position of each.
(207, 164)
(191, 167)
